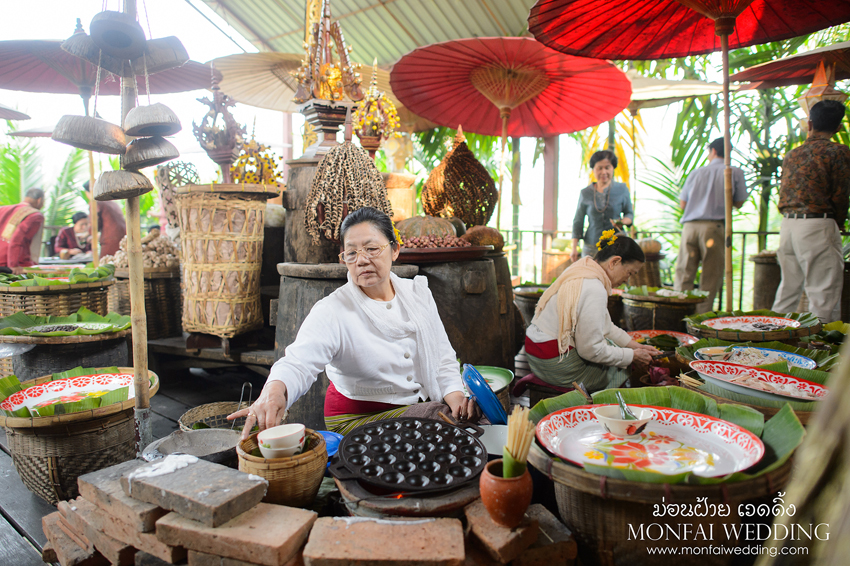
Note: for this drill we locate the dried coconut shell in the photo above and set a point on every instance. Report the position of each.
(93, 134)
(118, 34)
(146, 152)
(83, 46)
(119, 185)
(160, 55)
(154, 120)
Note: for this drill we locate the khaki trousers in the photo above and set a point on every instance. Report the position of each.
(811, 258)
(702, 241)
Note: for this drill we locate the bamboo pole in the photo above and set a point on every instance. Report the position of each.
(506, 114)
(95, 253)
(137, 286)
(727, 173)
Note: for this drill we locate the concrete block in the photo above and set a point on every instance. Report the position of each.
(103, 488)
(269, 535)
(83, 521)
(501, 543)
(347, 541)
(209, 493)
(555, 543)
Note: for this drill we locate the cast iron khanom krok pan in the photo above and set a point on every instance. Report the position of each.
(408, 454)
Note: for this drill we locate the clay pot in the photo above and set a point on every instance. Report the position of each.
(506, 499)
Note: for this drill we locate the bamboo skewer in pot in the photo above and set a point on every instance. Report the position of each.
(520, 437)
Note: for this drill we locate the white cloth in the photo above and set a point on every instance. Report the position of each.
(594, 326)
(369, 351)
(811, 258)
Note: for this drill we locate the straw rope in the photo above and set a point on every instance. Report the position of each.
(345, 180)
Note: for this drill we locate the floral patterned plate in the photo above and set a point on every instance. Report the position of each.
(751, 323)
(68, 390)
(674, 442)
(684, 339)
(783, 386)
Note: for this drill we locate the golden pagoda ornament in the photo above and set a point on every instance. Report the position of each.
(376, 118)
(256, 164)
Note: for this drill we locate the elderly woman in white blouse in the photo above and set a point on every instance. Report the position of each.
(379, 338)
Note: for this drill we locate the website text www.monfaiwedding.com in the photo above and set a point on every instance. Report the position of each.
(715, 550)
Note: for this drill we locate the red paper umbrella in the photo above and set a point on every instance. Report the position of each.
(508, 86)
(799, 69)
(658, 29)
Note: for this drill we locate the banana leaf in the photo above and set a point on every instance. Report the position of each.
(9, 385)
(823, 358)
(781, 435)
(645, 291)
(19, 324)
(76, 275)
(80, 370)
(806, 319)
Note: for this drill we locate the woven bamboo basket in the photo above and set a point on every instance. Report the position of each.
(6, 367)
(50, 453)
(214, 415)
(221, 235)
(600, 511)
(293, 481)
(55, 300)
(163, 300)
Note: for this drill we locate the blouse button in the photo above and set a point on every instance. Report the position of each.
(406, 355)
(389, 306)
(409, 378)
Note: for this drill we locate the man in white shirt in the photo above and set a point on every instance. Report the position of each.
(703, 200)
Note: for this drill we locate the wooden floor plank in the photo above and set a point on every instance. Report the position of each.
(161, 426)
(21, 507)
(15, 549)
(166, 406)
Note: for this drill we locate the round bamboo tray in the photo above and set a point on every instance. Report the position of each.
(55, 300)
(600, 511)
(292, 481)
(214, 415)
(50, 453)
(793, 334)
(76, 339)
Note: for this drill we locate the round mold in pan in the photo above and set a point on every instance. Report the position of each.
(409, 454)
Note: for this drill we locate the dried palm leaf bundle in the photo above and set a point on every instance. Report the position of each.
(119, 185)
(154, 120)
(460, 186)
(345, 180)
(93, 134)
(146, 152)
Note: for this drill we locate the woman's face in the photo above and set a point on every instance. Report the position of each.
(82, 226)
(369, 272)
(603, 171)
(619, 272)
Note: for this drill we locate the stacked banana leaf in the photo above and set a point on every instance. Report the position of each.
(76, 275)
(82, 322)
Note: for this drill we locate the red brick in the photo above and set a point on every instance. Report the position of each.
(367, 542)
(501, 543)
(555, 545)
(476, 555)
(64, 549)
(209, 493)
(203, 559)
(269, 535)
(74, 535)
(145, 559)
(103, 488)
(48, 554)
(82, 520)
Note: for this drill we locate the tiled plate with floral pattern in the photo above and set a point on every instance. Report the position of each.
(674, 442)
(68, 390)
(750, 323)
(721, 374)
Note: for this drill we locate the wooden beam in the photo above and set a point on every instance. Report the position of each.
(551, 150)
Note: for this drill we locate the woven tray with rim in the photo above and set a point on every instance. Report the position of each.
(77, 339)
(50, 453)
(809, 325)
(293, 481)
(55, 300)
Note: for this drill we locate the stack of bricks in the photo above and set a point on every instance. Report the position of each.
(208, 515)
(201, 514)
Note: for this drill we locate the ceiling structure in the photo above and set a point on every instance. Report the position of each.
(382, 29)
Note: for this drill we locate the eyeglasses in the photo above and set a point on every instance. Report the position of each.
(350, 256)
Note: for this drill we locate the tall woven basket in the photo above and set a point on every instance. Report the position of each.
(50, 453)
(163, 300)
(55, 300)
(221, 235)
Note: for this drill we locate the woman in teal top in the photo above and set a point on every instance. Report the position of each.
(603, 203)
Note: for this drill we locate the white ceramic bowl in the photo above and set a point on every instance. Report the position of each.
(282, 436)
(609, 417)
(270, 453)
(711, 353)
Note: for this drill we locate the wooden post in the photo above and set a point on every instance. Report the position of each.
(95, 253)
(551, 149)
(137, 286)
(727, 176)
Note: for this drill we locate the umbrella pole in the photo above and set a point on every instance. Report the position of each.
(137, 287)
(506, 113)
(95, 252)
(727, 173)
(634, 166)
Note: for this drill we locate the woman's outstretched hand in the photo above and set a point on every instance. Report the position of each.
(642, 352)
(267, 411)
(463, 408)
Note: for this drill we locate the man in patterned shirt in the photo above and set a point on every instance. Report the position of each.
(813, 200)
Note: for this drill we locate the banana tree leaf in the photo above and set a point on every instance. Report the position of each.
(823, 358)
(76, 275)
(9, 385)
(645, 291)
(115, 396)
(80, 370)
(781, 435)
(20, 324)
(806, 319)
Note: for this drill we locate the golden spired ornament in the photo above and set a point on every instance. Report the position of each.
(256, 164)
(376, 117)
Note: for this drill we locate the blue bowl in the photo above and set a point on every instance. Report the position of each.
(332, 440)
(483, 396)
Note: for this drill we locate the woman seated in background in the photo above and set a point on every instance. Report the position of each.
(571, 338)
(604, 203)
(379, 338)
(74, 240)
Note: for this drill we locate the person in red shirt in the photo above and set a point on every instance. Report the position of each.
(20, 231)
(74, 240)
(110, 225)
